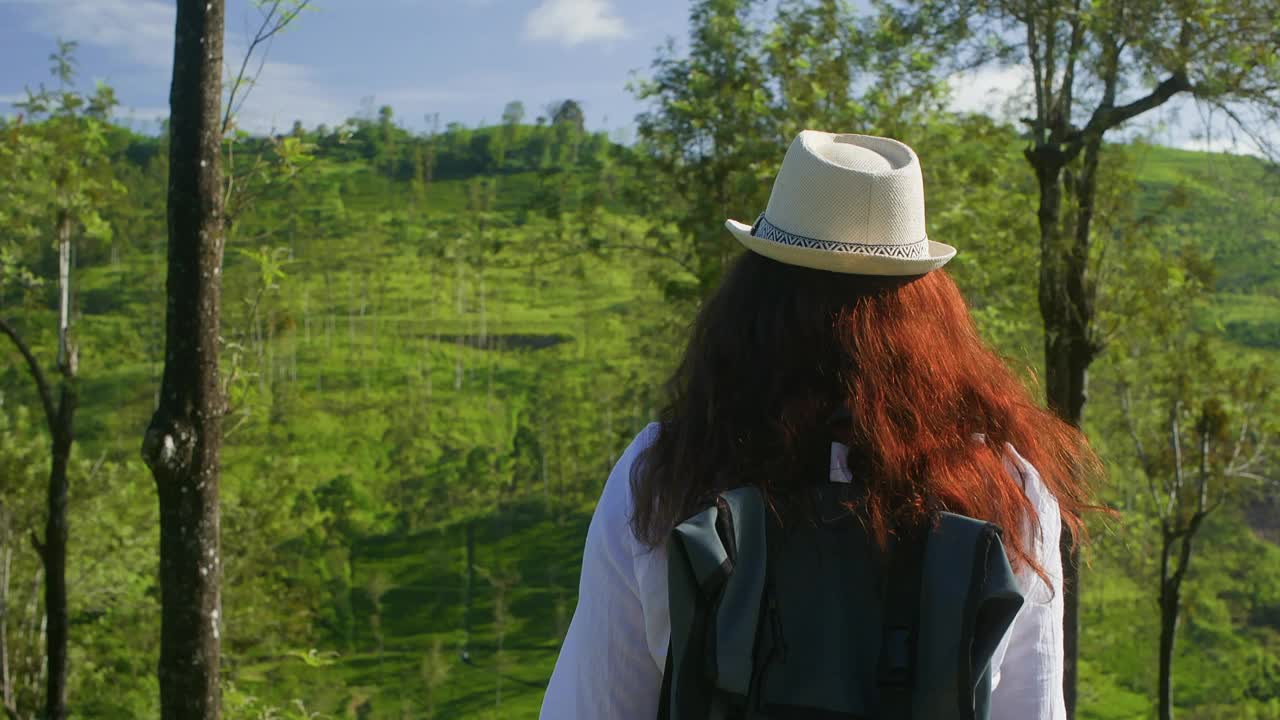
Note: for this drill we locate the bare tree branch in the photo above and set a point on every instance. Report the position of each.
(1106, 117)
(1127, 407)
(273, 21)
(1257, 452)
(1175, 439)
(1265, 144)
(1037, 74)
(1066, 94)
(1239, 444)
(1203, 480)
(1252, 476)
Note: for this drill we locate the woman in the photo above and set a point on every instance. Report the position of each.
(838, 307)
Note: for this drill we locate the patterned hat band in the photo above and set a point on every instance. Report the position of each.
(766, 230)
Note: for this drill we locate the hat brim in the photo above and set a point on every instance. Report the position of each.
(853, 263)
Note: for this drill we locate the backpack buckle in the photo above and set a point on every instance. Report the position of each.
(895, 661)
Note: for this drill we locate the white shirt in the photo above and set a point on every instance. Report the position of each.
(610, 666)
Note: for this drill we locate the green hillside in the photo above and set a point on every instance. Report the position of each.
(418, 359)
(411, 618)
(1228, 202)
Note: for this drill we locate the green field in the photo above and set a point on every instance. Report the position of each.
(467, 358)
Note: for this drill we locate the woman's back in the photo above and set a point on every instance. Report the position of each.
(612, 659)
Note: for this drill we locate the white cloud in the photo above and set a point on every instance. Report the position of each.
(573, 22)
(141, 114)
(285, 92)
(990, 90)
(1186, 124)
(409, 96)
(141, 28)
(1215, 145)
(7, 110)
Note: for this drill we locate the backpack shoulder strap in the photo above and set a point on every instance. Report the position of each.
(968, 599)
(738, 614)
(716, 573)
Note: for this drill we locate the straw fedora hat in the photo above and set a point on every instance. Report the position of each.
(848, 204)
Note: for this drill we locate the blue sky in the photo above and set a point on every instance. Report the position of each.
(463, 59)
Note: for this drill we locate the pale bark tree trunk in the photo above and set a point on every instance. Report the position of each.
(183, 442)
(351, 317)
(457, 366)
(42, 667)
(7, 699)
(64, 284)
(469, 589)
(426, 352)
(35, 630)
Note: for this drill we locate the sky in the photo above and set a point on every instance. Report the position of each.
(463, 59)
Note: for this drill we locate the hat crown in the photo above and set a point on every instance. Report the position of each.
(850, 156)
(846, 203)
(847, 188)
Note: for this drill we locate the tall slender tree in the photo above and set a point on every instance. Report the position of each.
(1201, 421)
(183, 441)
(1211, 444)
(1094, 66)
(54, 176)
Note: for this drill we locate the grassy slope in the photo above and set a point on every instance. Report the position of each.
(372, 302)
(380, 318)
(422, 575)
(423, 609)
(1115, 599)
(1231, 203)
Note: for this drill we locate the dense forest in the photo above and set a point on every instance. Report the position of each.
(436, 344)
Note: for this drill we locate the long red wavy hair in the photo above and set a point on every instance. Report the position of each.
(778, 348)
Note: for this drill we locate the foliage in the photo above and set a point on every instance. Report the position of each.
(746, 87)
(53, 165)
(464, 328)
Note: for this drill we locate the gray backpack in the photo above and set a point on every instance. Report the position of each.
(814, 622)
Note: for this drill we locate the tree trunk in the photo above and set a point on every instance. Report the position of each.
(1067, 312)
(35, 634)
(1066, 372)
(469, 589)
(64, 286)
(1171, 600)
(1170, 597)
(542, 461)
(42, 634)
(51, 670)
(183, 442)
(53, 555)
(6, 671)
(53, 549)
